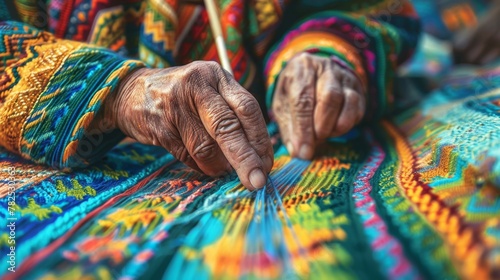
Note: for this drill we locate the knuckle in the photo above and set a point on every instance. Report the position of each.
(195, 75)
(333, 89)
(261, 145)
(293, 67)
(214, 68)
(332, 96)
(225, 126)
(203, 64)
(304, 56)
(304, 104)
(248, 107)
(350, 79)
(280, 113)
(212, 65)
(201, 71)
(245, 156)
(206, 151)
(304, 128)
(263, 142)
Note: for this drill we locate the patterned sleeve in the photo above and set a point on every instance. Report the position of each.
(370, 37)
(50, 92)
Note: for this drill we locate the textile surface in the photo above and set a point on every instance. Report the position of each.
(408, 198)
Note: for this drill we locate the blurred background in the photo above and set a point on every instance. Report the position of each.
(458, 36)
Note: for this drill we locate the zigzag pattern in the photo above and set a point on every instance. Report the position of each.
(446, 219)
(21, 97)
(399, 212)
(94, 73)
(16, 39)
(108, 30)
(157, 32)
(83, 16)
(389, 251)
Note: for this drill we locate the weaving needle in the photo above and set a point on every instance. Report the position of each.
(215, 25)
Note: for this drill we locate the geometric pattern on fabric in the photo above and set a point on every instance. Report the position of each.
(395, 201)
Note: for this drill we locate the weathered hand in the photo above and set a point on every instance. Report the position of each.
(315, 99)
(481, 44)
(201, 115)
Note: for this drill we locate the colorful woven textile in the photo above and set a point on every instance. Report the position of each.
(409, 198)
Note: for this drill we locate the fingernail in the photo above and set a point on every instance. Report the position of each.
(268, 163)
(289, 147)
(306, 152)
(257, 179)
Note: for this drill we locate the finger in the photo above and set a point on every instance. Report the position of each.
(225, 128)
(329, 101)
(349, 114)
(247, 109)
(302, 96)
(202, 148)
(186, 159)
(170, 139)
(352, 82)
(281, 111)
(282, 114)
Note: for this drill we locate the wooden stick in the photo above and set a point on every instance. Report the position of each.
(215, 25)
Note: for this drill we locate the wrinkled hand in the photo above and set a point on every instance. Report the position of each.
(481, 44)
(201, 115)
(315, 99)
